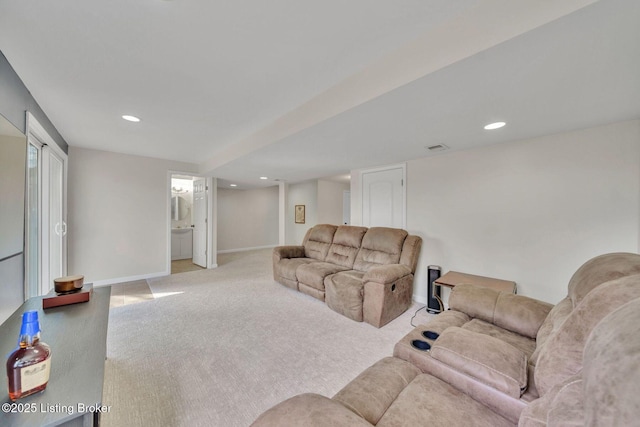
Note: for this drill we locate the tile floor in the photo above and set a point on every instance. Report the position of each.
(130, 293)
(137, 291)
(183, 265)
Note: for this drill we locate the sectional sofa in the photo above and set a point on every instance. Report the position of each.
(365, 274)
(497, 359)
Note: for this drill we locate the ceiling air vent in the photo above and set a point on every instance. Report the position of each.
(437, 147)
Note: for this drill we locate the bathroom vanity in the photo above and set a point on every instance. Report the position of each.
(181, 243)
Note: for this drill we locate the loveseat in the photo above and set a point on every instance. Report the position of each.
(499, 360)
(365, 274)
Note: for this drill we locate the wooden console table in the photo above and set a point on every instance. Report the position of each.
(453, 278)
(77, 335)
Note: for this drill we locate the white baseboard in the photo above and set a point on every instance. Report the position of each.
(420, 299)
(228, 251)
(107, 282)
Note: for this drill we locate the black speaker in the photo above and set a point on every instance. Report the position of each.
(434, 304)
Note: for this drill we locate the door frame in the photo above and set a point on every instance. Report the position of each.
(33, 289)
(211, 225)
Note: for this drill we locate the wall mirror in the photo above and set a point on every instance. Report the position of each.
(13, 157)
(179, 208)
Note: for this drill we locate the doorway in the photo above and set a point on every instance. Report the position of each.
(188, 223)
(46, 219)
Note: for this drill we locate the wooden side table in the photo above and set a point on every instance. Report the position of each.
(453, 278)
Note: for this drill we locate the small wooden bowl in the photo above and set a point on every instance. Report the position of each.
(68, 284)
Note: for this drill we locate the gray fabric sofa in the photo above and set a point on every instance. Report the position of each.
(365, 274)
(503, 360)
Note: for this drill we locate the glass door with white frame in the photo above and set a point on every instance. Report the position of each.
(32, 249)
(46, 218)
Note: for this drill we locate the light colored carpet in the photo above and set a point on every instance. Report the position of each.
(218, 347)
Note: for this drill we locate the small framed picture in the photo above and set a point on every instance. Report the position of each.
(299, 214)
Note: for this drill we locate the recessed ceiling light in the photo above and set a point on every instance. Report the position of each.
(233, 185)
(264, 177)
(496, 125)
(131, 118)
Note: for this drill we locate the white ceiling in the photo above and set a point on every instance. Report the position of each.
(297, 90)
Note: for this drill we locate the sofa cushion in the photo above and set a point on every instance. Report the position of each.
(287, 267)
(318, 240)
(516, 313)
(611, 371)
(485, 358)
(309, 410)
(345, 246)
(313, 274)
(380, 245)
(605, 392)
(524, 344)
(601, 269)
(561, 355)
(554, 320)
(344, 293)
(372, 392)
(565, 400)
(592, 273)
(311, 291)
(442, 321)
(428, 401)
(411, 252)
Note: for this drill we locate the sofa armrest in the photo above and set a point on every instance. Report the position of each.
(386, 274)
(372, 392)
(388, 290)
(515, 313)
(487, 359)
(281, 252)
(310, 410)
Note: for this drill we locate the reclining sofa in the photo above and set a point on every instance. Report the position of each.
(365, 274)
(497, 359)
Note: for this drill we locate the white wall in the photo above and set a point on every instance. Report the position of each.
(247, 218)
(530, 211)
(118, 214)
(356, 197)
(304, 193)
(330, 197)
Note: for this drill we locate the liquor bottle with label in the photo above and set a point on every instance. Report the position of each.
(29, 365)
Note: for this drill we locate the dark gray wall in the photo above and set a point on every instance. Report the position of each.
(15, 100)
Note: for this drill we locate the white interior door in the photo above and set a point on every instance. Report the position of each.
(200, 222)
(383, 198)
(54, 217)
